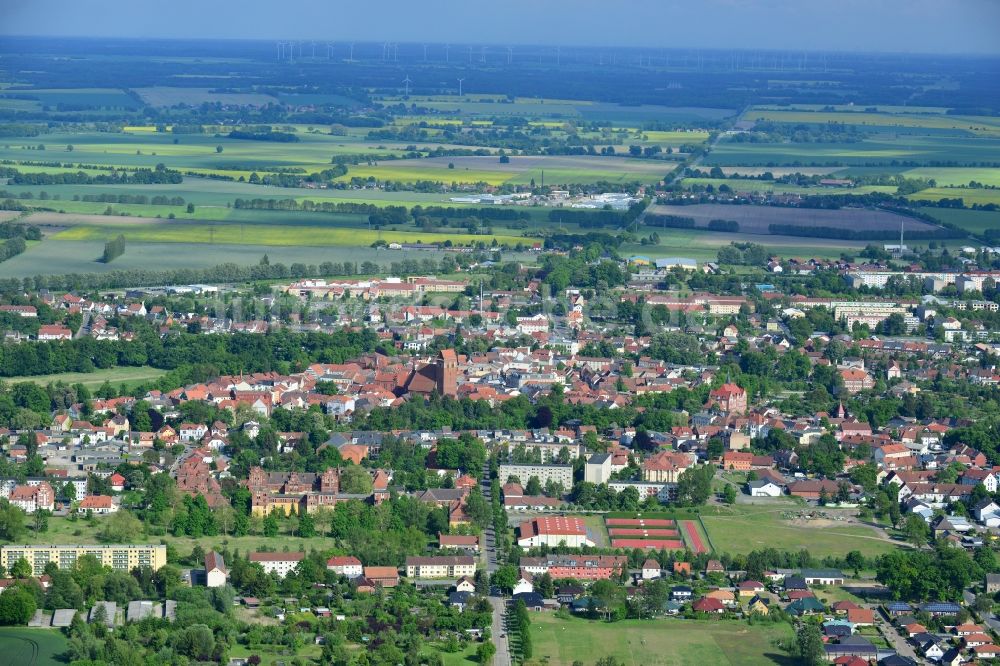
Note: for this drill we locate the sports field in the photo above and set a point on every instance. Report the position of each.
(20, 646)
(742, 528)
(672, 642)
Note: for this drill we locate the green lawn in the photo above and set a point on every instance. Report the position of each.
(743, 528)
(270, 655)
(115, 376)
(657, 642)
(20, 646)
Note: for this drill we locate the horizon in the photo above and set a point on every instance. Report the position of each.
(960, 27)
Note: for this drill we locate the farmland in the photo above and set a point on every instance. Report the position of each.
(31, 647)
(756, 219)
(656, 642)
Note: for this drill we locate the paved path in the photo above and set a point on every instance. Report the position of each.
(499, 631)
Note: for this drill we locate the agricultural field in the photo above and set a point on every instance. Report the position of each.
(978, 125)
(704, 245)
(519, 171)
(674, 642)
(756, 219)
(745, 527)
(169, 96)
(52, 257)
(20, 646)
(973, 221)
(879, 150)
(269, 235)
(967, 194)
(753, 185)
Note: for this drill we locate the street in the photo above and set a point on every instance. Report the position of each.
(499, 632)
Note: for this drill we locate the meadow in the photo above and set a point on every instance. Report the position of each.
(673, 642)
(967, 194)
(122, 376)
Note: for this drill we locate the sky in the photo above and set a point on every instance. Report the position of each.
(916, 26)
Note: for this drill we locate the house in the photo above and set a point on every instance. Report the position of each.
(532, 600)
(682, 568)
(861, 616)
(764, 488)
(758, 604)
(117, 482)
(988, 651)
(525, 583)
(714, 566)
(708, 605)
(345, 565)
(749, 588)
(805, 606)
(992, 583)
(650, 569)
(97, 504)
(952, 657)
(459, 600)
(31, 498)
(216, 573)
(382, 576)
(277, 563)
(459, 542)
(681, 592)
(852, 646)
(445, 566)
(823, 577)
(725, 596)
(465, 584)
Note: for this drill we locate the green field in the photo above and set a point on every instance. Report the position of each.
(743, 528)
(704, 245)
(20, 646)
(878, 150)
(115, 376)
(973, 124)
(671, 642)
(52, 257)
(753, 185)
(967, 194)
(269, 235)
(973, 221)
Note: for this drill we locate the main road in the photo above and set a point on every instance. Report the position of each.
(498, 631)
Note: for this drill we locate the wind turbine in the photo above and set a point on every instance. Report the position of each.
(482, 56)
(407, 83)
(460, 87)
(385, 51)
(350, 57)
(447, 52)
(470, 55)
(425, 53)
(314, 50)
(558, 56)
(510, 55)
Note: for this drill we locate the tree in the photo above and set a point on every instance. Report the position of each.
(810, 645)
(270, 525)
(729, 494)
(17, 606)
(505, 577)
(120, 527)
(856, 561)
(485, 652)
(534, 487)
(21, 569)
(694, 486)
(307, 527)
(915, 529)
(355, 480)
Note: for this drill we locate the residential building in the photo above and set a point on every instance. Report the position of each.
(442, 566)
(122, 557)
(277, 563)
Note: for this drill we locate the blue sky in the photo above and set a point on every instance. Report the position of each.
(940, 26)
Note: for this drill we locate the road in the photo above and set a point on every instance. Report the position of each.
(896, 640)
(499, 631)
